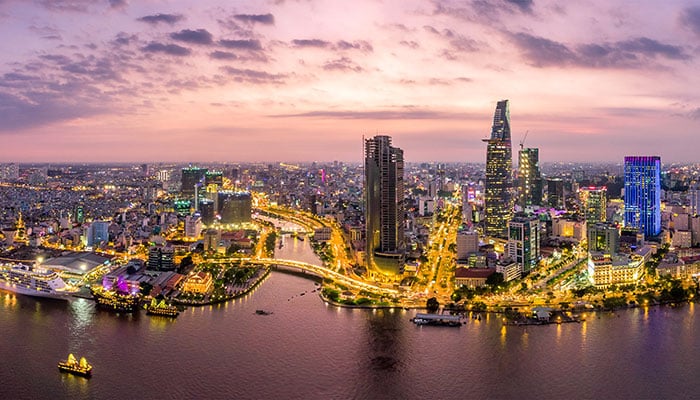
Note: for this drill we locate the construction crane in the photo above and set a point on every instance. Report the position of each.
(522, 142)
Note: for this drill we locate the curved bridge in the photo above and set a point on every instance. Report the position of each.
(316, 270)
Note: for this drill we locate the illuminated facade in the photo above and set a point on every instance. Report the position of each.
(524, 241)
(98, 233)
(200, 283)
(594, 202)
(498, 199)
(694, 198)
(643, 194)
(603, 237)
(235, 207)
(384, 204)
(529, 179)
(191, 177)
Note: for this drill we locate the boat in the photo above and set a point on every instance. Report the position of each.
(119, 296)
(75, 367)
(34, 281)
(263, 312)
(437, 320)
(162, 309)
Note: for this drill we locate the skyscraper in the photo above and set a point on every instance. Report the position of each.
(694, 199)
(594, 202)
(191, 177)
(524, 241)
(529, 179)
(555, 193)
(643, 194)
(498, 198)
(384, 204)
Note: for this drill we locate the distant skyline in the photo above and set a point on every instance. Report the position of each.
(304, 80)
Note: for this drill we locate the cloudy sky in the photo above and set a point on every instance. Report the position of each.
(297, 80)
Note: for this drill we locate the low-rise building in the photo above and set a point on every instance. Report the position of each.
(200, 283)
(323, 234)
(509, 269)
(472, 277)
(606, 270)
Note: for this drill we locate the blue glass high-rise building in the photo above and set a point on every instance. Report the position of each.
(643, 194)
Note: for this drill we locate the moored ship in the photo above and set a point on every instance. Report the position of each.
(33, 281)
(73, 366)
(119, 296)
(162, 309)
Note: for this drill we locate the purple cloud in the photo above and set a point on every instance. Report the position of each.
(251, 44)
(524, 6)
(170, 19)
(361, 45)
(170, 49)
(690, 18)
(199, 36)
(632, 53)
(311, 43)
(343, 64)
(222, 55)
(254, 76)
(265, 19)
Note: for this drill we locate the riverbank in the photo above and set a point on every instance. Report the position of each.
(251, 284)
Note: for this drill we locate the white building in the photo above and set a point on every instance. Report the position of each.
(193, 226)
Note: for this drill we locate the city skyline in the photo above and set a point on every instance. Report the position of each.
(305, 80)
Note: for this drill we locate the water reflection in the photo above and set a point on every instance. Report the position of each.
(504, 330)
(76, 384)
(385, 354)
(82, 315)
(9, 300)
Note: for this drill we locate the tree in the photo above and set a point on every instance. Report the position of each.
(495, 279)
(432, 304)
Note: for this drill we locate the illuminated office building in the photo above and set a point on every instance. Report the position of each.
(235, 207)
(643, 194)
(603, 237)
(498, 199)
(524, 241)
(384, 204)
(594, 203)
(191, 177)
(529, 179)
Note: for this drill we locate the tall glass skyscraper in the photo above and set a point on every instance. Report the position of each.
(643, 194)
(594, 201)
(498, 199)
(529, 178)
(384, 204)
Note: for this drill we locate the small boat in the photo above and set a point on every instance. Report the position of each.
(75, 367)
(162, 309)
(263, 312)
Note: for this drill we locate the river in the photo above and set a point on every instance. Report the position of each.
(309, 350)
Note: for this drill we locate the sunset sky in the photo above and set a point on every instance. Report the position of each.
(298, 80)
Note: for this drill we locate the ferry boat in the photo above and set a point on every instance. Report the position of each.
(33, 281)
(119, 296)
(75, 367)
(162, 309)
(437, 320)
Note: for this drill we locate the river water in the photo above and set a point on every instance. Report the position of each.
(309, 350)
